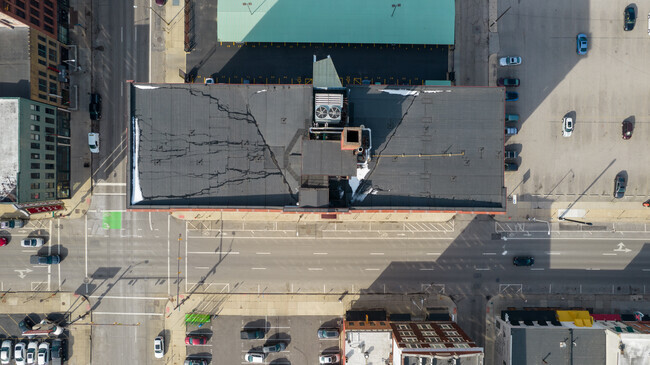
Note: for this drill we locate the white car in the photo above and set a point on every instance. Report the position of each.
(254, 357)
(93, 142)
(32, 349)
(158, 347)
(5, 352)
(510, 61)
(19, 353)
(567, 126)
(32, 242)
(43, 353)
(329, 359)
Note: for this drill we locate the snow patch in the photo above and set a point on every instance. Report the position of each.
(136, 191)
(146, 87)
(403, 92)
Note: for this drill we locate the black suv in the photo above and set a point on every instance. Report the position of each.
(95, 107)
(630, 18)
(523, 261)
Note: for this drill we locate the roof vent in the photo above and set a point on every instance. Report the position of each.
(327, 107)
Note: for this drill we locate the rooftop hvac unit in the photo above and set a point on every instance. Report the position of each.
(328, 107)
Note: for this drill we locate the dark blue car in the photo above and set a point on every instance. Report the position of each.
(511, 96)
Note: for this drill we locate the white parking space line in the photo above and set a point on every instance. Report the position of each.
(609, 254)
(109, 184)
(201, 267)
(433, 253)
(377, 253)
(315, 268)
(320, 253)
(129, 298)
(554, 253)
(262, 253)
(371, 269)
(258, 268)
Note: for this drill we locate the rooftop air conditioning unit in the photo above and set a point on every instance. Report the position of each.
(328, 108)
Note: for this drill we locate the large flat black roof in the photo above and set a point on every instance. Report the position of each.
(241, 146)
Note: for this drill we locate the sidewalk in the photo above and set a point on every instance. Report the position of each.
(286, 305)
(581, 211)
(79, 327)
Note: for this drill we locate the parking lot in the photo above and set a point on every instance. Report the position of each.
(299, 334)
(9, 329)
(600, 89)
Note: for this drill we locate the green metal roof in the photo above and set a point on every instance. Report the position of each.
(337, 21)
(325, 75)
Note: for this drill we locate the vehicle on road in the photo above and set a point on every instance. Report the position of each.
(252, 334)
(280, 346)
(32, 242)
(3, 241)
(328, 333)
(12, 223)
(512, 117)
(5, 352)
(629, 16)
(567, 126)
(620, 184)
(254, 357)
(194, 340)
(95, 107)
(510, 61)
(45, 260)
(628, 128)
(510, 154)
(512, 96)
(508, 82)
(158, 347)
(511, 131)
(93, 142)
(43, 353)
(329, 359)
(581, 44)
(32, 349)
(19, 353)
(523, 261)
(511, 167)
(26, 324)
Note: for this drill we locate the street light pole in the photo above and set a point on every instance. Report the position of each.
(548, 225)
(574, 221)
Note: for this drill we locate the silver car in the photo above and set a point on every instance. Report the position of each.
(32, 242)
(567, 126)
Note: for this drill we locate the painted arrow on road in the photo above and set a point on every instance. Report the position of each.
(23, 273)
(621, 247)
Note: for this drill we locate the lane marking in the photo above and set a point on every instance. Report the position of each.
(537, 269)
(554, 253)
(645, 269)
(258, 268)
(371, 269)
(315, 268)
(109, 184)
(481, 269)
(262, 253)
(215, 252)
(122, 194)
(592, 269)
(376, 253)
(489, 253)
(320, 253)
(433, 253)
(129, 314)
(423, 269)
(609, 254)
(201, 267)
(129, 298)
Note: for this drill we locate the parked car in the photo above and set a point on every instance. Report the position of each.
(581, 44)
(209, 81)
(32, 242)
(58, 351)
(158, 347)
(512, 117)
(194, 340)
(280, 346)
(512, 96)
(19, 353)
(32, 349)
(630, 18)
(619, 186)
(254, 357)
(511, 131)
(43, 353)
(510, 61)
(511, 167)
(567, 126)
(93, 142)
(510, 154)
(627, 129)
(45, 260)
(26, 324)
(5, 352)
(252, 334)
(3, 241)
(329, 359)
(508, 82)
(195, 362)
(160, 2)
(95, 107)
(328, 333)
(12, 223)
(523, 261)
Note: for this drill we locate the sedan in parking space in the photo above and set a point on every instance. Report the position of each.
(195, 362)
(254, 357)
(511, 167)
(93, 142)
(508, 82)
(196, 340)
(48, 260)
(523, 261)
(32, 349)
(567, 126)
(158, 347)
(619, 186)
(95, 107)
(627, 129)
(26, 324)
(512, 96)
(510, 154)
(328, 333)
(329, 359)
(630, 18)
(510, 61)
(19, 353)
(43, 353)
(280, 346)
(581, 44)
(32, 242)
(5, 352)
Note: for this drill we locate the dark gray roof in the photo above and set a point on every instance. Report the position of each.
(531, 345)
(243, 146)
(412, 135)
(14, 58)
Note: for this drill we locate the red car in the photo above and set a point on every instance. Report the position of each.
(3, 241)
(196, 340)
(627, 129)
